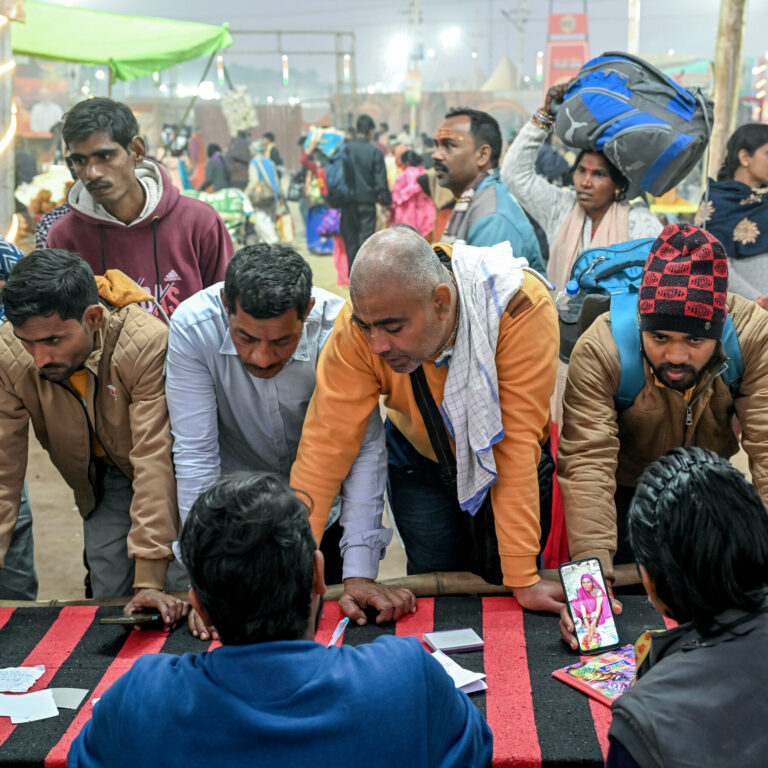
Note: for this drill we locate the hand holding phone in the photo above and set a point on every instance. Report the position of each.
(588, 604)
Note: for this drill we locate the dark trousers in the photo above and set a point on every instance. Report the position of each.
(329, 546)
(358, 223)
(427, 513)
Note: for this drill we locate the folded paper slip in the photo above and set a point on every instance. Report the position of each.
(463, 679)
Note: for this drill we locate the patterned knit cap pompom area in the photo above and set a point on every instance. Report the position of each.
(685, 282)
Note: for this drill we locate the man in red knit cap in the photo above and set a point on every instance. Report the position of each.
(689, 394)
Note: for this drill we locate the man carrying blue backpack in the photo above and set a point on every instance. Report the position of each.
(703, 354)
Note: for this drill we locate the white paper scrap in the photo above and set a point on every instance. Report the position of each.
(19, 679)
(68, 698)
(27, 707)
(462, 678)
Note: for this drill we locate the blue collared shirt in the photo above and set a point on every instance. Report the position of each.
(225, 420)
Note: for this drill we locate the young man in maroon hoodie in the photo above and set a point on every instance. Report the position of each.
(127, 215)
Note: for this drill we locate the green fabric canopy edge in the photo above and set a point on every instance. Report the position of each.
(131, 46)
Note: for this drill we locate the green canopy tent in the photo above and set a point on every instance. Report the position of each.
(131, 46)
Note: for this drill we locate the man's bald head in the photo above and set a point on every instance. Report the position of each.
(398, 255)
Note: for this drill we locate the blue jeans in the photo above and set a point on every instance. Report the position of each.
(426, 512)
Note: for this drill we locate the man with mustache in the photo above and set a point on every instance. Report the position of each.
(683, 306)
(127, 215)
(466, 161)
(89, 378)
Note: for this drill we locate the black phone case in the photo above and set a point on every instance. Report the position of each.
(602, 648)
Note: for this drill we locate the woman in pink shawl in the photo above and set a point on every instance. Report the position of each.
(410, 204)
(590, 605)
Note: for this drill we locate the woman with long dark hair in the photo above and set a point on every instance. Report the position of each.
(737, 211)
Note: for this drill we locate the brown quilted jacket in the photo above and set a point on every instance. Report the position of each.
(600, 448)
(125, 405)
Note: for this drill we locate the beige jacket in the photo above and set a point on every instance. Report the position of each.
(125, 405)
(600, 448)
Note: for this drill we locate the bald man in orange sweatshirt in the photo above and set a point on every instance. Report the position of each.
(476, 330)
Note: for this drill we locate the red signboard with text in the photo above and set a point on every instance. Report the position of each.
(567, 24)
(564, 59)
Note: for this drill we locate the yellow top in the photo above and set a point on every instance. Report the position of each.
(79, 382)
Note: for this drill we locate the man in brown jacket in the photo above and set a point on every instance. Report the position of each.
(91, 382)
(684, 400)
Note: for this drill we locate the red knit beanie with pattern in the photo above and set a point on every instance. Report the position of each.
(685, 282)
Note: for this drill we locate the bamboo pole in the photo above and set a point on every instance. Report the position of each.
(730, 34)
(421, 584)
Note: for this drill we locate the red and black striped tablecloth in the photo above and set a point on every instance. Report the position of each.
(536, 720)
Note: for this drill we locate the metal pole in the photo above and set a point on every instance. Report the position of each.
(730, 35)
(633, 26)
(7, 129)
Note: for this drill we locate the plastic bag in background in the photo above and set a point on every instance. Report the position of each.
(264, 226)
(284, 228)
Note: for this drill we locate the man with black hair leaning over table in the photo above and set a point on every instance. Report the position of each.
(271, 695)
(687, 337)
(90, 381)
(242, 359)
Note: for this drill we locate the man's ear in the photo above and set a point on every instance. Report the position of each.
(93, 316)
(195, 601)
(318, 580)
(224, 300)
(441, 296)
(138, 149)
(483, 155)
(309, 309)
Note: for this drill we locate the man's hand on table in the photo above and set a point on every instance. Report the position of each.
(567, 629)
(199, 628)
(544, 595)
(170, 608)
(390, 603)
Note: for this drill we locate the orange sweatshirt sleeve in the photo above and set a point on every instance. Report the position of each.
(526, 364)
(346, 392)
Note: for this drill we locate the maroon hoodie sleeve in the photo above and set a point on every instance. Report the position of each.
(214, 252)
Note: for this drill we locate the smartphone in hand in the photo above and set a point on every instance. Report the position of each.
(589, 605)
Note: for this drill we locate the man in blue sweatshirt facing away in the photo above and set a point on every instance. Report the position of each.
(271, 695)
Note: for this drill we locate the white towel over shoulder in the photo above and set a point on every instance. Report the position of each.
(487, 279)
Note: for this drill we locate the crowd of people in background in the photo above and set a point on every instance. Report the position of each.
(152, 355)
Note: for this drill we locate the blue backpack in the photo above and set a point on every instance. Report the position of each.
(339, 180)
(649, 127)
(616, 272)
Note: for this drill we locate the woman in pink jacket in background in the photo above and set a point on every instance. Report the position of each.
(410, 204)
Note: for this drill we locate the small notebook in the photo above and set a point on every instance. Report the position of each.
(604, 677)
(453, 640)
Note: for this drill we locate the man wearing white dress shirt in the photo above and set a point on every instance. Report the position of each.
(240, 373)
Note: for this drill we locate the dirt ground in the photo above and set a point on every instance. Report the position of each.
(57, 525)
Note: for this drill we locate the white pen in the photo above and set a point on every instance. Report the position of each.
(339, 631)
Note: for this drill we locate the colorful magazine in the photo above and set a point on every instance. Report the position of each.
(604, 677)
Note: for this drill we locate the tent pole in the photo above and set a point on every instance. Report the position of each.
(109, 83)
(194, 97)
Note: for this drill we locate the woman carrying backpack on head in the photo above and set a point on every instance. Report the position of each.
(593, 213)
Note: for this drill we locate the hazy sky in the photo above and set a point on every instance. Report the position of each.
(687, 26)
